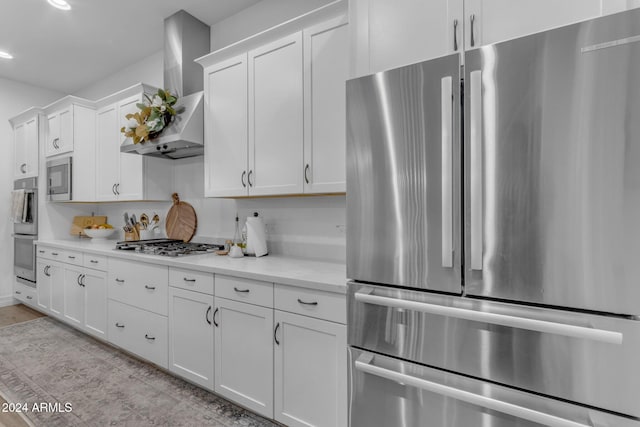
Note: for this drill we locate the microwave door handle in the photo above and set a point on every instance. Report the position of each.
(446, 129)
(364, 364)
(475, 140)
(544, 326)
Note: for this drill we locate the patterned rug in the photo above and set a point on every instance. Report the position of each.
(48, 364)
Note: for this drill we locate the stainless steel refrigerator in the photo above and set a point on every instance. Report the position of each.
(493, 234)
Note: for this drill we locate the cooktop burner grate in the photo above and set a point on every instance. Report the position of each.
(167, 247)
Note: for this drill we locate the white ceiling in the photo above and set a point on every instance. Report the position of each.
(67, 51)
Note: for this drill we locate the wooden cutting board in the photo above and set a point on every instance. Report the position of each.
(82, 222)
(181, 220)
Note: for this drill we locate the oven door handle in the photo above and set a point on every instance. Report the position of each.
(24, 236)
(543, 326)
(364, 364)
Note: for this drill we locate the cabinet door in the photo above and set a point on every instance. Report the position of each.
(56, 276)
(491, 21)
(226, 134)
(191, 336)
(244, 354)
(130, 181)
(326, 68)
(53, 134)
(391, 34)
(275, 117)
(31, 148)
(107, 153)
(310, 385)
(43, 286)
(20, 151)
(73, 295)
(65, 144)
(95, 302)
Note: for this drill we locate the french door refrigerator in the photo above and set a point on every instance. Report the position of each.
(493, 234)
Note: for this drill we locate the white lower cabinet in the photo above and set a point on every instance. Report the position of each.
(139, 331)
(310, 384)
(73, 298)
(95, 302)
(43, 287)
(244, 354)
(191, 336)
(56, 276)
(25, 294)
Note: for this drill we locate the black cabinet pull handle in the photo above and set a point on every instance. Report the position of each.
(249, 178)
(18, 292)
(71, 257)
(472, 20)
(118, 325)
(455, 34)
(119, 280)
(29, 297)
(46, 270)
(275, 333)
(206, 315)
(243, 291)
(78, 279)
(149, 338)
(93, 261)
(307, 303)
(113, 189)
(23, 168)
(118, 189)
(244, 184)
(188, 280)
(41, 251)
(306, 171)
(55, 253)
(82, 280)
(214, 317)
(151, 288)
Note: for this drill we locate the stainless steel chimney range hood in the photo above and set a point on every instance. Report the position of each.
(185, 39)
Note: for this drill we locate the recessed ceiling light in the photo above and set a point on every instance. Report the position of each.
(5, 55)
(60, 4)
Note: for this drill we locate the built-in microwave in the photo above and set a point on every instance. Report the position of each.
(59, 178)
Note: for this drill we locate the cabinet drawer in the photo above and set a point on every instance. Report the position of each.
(72, 257)
(97, 262)
(25, 294)
(309, 302)
(192, 280)
(245, 290)
(139, 331)
(138, 284)
(54, 254)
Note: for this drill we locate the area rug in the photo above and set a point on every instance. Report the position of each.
(65, 378)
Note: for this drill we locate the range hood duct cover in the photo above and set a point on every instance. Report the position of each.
(185, 39)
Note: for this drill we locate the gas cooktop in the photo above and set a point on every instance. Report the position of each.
(167, 247)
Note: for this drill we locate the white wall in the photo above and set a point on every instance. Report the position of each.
(259, 17)
(148, 70)
(16, 97)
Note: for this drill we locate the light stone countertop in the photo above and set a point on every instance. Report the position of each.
(318, 275)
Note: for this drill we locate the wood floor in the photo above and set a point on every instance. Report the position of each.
(8, 316)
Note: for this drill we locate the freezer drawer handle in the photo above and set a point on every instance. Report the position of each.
(544, 326)
(465, 396)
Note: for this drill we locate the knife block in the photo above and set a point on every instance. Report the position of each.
(132, 235)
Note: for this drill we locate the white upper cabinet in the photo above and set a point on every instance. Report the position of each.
(275, 117)
(491, 21)
(226, 132)
(388, 34)
(25, 143)
(326, 69)
(59, 132)
(275, 109)
(126, 176)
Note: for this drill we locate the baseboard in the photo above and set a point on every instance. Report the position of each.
(7, 300)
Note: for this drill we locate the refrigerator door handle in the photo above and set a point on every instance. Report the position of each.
(476, 208)
(543, 326)
(364, 364)
(446, 127)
